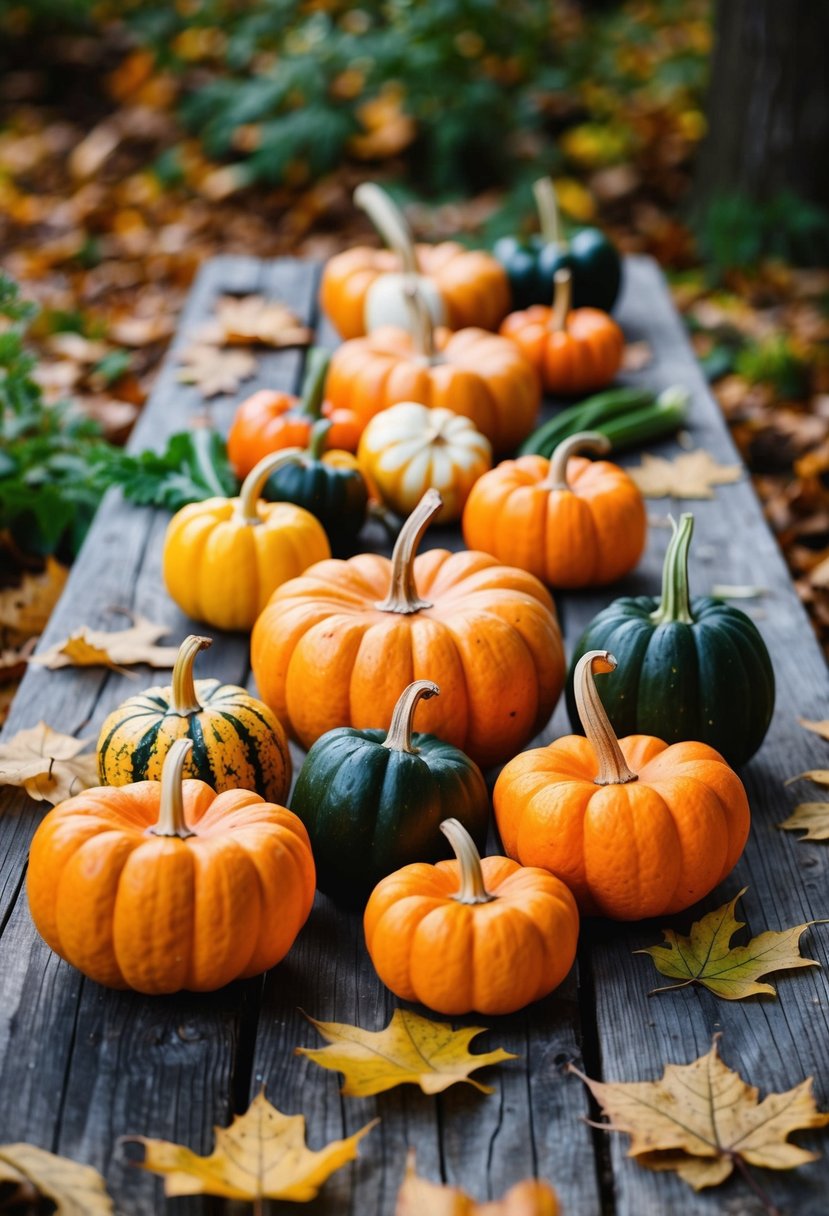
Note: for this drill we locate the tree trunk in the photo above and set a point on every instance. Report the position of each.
(768, 102)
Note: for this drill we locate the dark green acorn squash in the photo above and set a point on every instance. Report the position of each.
(688, 668)
(374, 801)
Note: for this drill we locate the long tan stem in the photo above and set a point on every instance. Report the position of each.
(584, 441)
(420, 321)
(472, 889)
(613, 769)
(183, 699)
(562, 299)
(171, 811)
(388, 219)
(402, 596)
(544, 193)
(399, 737)
(254, 483)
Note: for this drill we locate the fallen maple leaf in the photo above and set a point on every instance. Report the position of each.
(417, 1197)
(46, 764)
(215, 371)
(701, 1118)
(818, 728)
(411, 1049)
(118, 649)
(706, 957)
(810, 817)
(25, 609)
(262, 1155)
(690, 475)
(244, 320)
(76, 1190)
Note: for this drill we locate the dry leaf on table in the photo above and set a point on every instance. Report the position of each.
(702, 1117)
(244, 320)
(24, 610)
(75, 1189)
(118, 649)
(818, 728)
(410, 1050)
(636, 356)
(706, 956)
(690, 475)
(215, 371)
(417, 1197)
(810, 817)
(262, 1155)
(46, 764)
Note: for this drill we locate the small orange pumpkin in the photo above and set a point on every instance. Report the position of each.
(334, 647)
(635, 827)
(164, 885)
(490, 936)
(571, 522)
(270, 420)
(573, 352)
(362, 287)
(471, 372)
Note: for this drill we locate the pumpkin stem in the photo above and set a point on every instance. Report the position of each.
(399, 737)
(546, 203)
(472, 889)
(402, 596)
(562, 299)
(613, 769)
(183, 699)
(318, 438)
(675, 604)
(254, 483)
(389, 221)
(420, 322)
(171, 811)
(584, 441)
(313, 384)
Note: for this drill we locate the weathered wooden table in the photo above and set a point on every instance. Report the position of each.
(81, 1066)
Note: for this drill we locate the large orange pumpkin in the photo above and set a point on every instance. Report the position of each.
(571, 522)
(464, 287)
(466, 935)
(335, 646)
(471, 372)
(573, 352)
(160, 886)
(634, 827)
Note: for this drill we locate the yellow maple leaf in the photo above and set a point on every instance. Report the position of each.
(262, 1155)
(706, 956)
(417, 1197)
(690, 475)
(810, 817)
(46, 764)
(699, 1118)
(411, 1049)
(76, 1190)
(116, 649)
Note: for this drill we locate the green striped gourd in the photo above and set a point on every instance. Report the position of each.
(238, 743)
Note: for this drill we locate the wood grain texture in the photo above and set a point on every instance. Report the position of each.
(87, 1065)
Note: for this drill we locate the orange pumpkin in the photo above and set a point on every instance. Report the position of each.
(573, 352)
(270, 420)
(571, 522)
(471, 372)
(164, 885)
(335, 646)
(490, 936)
(634, 827)
(363, 287)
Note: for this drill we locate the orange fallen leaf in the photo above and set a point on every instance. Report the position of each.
(417, 1197)
(46, 764)
(24, 610)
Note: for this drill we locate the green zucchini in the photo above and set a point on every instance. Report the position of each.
(627, 416)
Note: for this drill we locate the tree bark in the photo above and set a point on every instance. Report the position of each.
(768, 102)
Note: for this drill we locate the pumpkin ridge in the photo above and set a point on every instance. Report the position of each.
(247, 738)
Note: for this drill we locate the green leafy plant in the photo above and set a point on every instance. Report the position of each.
(736, 232)
(774, 362)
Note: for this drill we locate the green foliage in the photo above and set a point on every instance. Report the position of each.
(193, 466)
(736, 232)
(774, 362)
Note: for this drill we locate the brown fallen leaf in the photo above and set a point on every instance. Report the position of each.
(411, 1049)
(262, 1155)
(701, 1118)
(75, 1189)
(810, 817)
(706, 956)
(245, 320)
(24, 610)
(117, 649)
(417, 1197)
(215, 371)
(46, 764)
(690, 475)
(636, 356)
(819, 728)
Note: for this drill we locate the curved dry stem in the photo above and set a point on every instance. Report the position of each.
(171, 811)
(254, 483)
(389, 221)
(403, 596)
(472, 889)
(584, 441)
(399, 737)
(613, 769)
(183, 699)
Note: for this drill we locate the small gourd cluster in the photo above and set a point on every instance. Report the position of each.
(185, 869)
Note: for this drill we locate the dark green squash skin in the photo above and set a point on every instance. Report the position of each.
(337, 497)
(706, 676)
(370, 809)
(591, 258)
